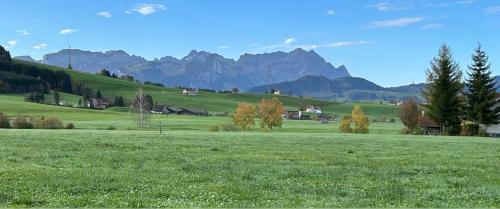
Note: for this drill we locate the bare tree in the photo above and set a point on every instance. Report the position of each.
(140, 105)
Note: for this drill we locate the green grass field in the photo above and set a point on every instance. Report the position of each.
(302, 164)
(88, 168)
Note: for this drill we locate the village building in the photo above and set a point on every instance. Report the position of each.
(429, 126)
(99, 103)
(190, 92)
(277, 92)
(167, 110)
(292, 115)
(313, 109)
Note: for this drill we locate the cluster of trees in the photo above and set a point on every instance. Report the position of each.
(358, 118)
(153, 84)
(21, 78)
(118, 101)
(457, 107)
(270, 112)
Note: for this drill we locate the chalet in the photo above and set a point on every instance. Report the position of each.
(277, 92)
(293, 115)
(428, 126)
(193, 112)
(396, 102)
(99, 103)
(166, 110)
(190, 92)
(313, 109)
(163, 109)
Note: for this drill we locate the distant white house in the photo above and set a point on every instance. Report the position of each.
(277, 92)
(190, 92)
(313, 109)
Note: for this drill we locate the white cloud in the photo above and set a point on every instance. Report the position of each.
(105, 14)
(10, 44)
(492, 10)
(432, 26)
(223, 47)
(335, 44)
(330, 12)
(23, 32)
(387, 7)
(67, 31)
(147, 9)
(316, 46)
(400, 22)
(40, 46)
(290, 40)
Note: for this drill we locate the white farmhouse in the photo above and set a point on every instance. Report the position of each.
(313, 109)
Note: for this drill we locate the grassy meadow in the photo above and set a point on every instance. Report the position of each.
(88, 168)
(302, 164)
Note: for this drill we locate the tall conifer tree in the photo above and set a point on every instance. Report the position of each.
(443, 92)
(481, 92)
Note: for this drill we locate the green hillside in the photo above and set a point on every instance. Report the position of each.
(212, 102)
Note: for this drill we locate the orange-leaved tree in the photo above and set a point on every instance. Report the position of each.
(244, 116)
(271, 113)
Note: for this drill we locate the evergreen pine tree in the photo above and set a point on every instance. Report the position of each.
(481, 95)
(98, 94)
(443, 92)
(57, 97)
(4, 55)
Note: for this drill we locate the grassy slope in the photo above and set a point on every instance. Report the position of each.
(209, 101)
(14, 105)
(78, 168)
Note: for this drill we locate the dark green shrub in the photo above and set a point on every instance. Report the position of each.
(110, 128)
(70, 126)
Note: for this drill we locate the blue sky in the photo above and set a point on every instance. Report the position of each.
(388, 42)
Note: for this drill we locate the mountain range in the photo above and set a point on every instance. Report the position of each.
(200, 69)
(298, 72)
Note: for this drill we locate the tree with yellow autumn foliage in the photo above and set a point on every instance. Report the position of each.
(271, 113)
(345, 124)
(244, 116)
(360, 120)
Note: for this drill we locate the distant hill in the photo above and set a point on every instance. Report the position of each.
(200, 69)
(25, 58)
(211, 102)
(347, 88)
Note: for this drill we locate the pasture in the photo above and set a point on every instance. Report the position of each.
(302, 164)
(89, 168)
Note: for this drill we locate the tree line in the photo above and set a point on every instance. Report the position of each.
(21, 78)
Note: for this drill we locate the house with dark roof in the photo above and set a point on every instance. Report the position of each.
(429, 126)
(167, 110)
